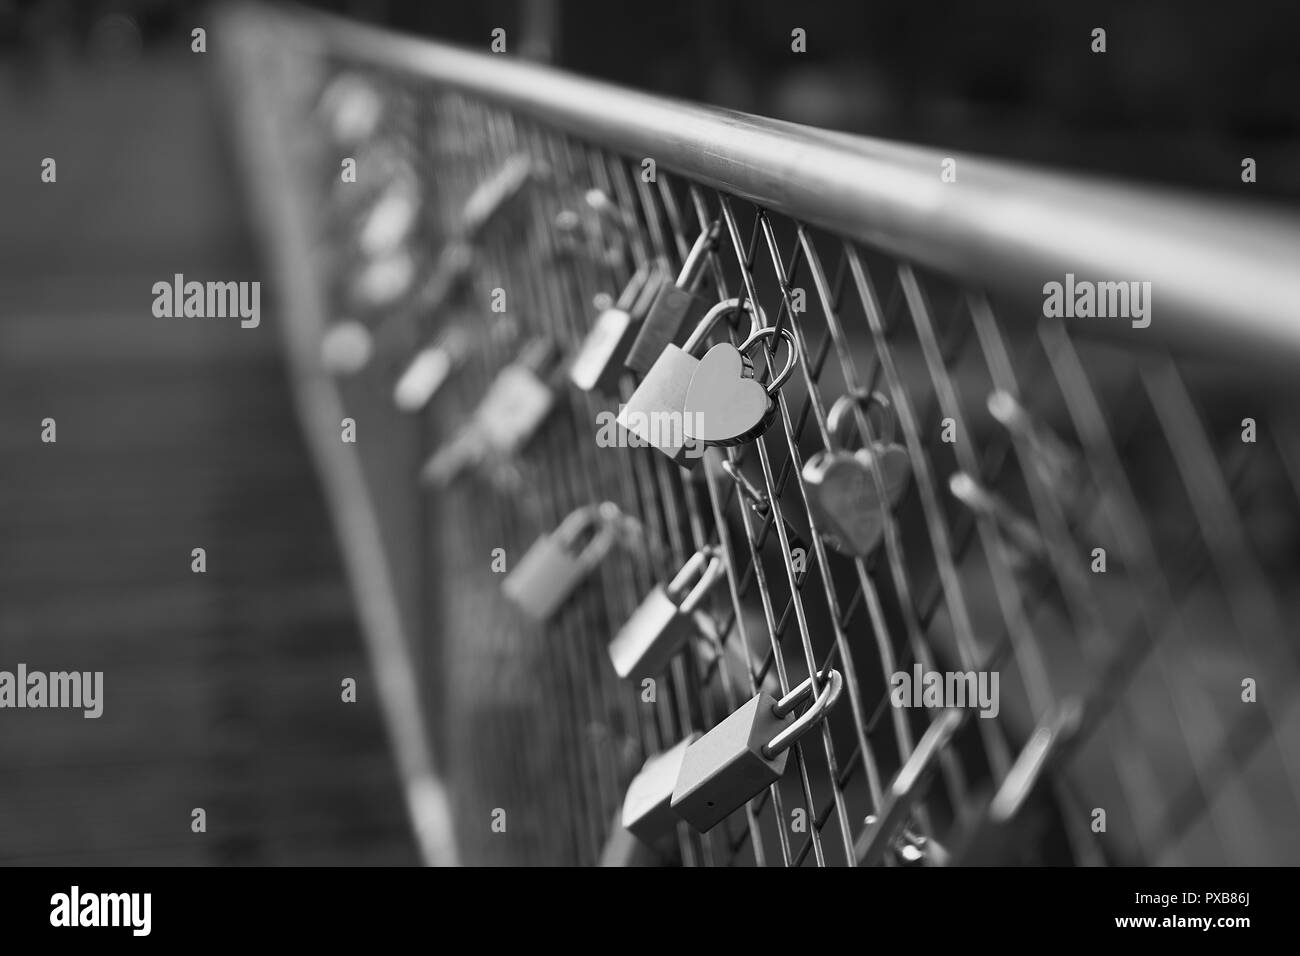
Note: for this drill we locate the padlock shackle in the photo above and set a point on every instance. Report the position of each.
(707, 564)
(576, 522)
(810, 718)
(787, 370)
(756, 320)
(632, 291)
(838, 416)
(705, 243)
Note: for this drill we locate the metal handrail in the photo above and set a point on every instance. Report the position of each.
(1224, 274)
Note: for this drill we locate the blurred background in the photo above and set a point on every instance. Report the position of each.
(223, 686)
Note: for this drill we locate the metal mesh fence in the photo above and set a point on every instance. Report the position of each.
(1029, 444)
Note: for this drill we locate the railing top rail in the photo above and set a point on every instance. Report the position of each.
(1223, 274)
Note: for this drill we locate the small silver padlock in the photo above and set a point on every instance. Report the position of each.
(550, 570)
(510, 412)
(912, 849)
(647, 810)
(724, 404)
(663, 623)
(656, 411)
(599, 362)
(906, 789)
(403, 326)
(622, 849)
(346, 347)
(494, 193)
(518, 400)
(850, 492)
(746, 753)
(430, 369)
(382, 280)
(352, 107)
(391, 219)
(673, 305)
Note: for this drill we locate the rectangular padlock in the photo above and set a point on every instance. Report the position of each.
(725, 769)
(623, 849)
(544, 578)
(663, 623)
(517, 402)
(429, 370)
(655, 412)
(647, 810)
(448, 462)
(551, 569)
(666, 318)
(599, 362)
(746, 753)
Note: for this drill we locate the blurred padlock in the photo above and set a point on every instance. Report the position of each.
(346, 347)
(656, 411)
(390, 220)
(906, 789)
(552, 569)
(672, 305)
(599, 362)
(664, 621)
(492, 195)
(383, 280)
(740, 757)
(430, 369)
(647, 810)
(623, 849)
(519, 399)
(510, 412)
(352, 107)
(849, 493)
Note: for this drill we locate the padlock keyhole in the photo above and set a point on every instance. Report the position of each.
(709, 803)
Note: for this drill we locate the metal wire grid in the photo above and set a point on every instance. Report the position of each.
(1095, 445)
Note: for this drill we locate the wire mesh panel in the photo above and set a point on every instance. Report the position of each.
(1099, 530)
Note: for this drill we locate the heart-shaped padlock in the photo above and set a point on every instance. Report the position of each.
(849, 492)
(724, 404)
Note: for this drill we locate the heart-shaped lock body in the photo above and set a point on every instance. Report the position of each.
(844, 499)
(724, 404)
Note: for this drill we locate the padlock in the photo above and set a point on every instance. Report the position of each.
(647, 813)
(391, 219)
(494, 193)
(550, 571)
(911, 849)
(383, 280)
(430, 369)
(724, 404)
(849, 493)
(510, 412)
(599, 362)
(346, 347)
(401, 327)
(655, 412)
(906, 789)
(352, 107)
(518, 401)
(663, 623)
(672, 305)
(623, 849)
(746, 753)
